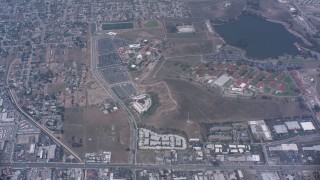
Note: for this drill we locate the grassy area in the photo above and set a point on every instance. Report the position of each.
(124, 25)
(151, 24)
(155, 104)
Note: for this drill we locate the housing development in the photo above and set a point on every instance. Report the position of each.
(159, 90)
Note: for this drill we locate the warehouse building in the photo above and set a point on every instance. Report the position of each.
(222, 80)
(284, 147)
(307, 126)
(292, 125)
(186, 29)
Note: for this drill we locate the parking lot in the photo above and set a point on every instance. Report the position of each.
(124, 90)
(231, 55)
(309, 2)
(105, 45)
(115, 75)
(109, 59)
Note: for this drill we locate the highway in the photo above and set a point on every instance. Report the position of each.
(106, 87)
(37, 124)
(191, 167)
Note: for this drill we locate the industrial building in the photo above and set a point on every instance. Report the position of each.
(280, 129)
(222, 80)
(185, 29)
(284, 147)
(292, 125)
(4, 117)
(260, 129)
(307, 126)
(311, 148)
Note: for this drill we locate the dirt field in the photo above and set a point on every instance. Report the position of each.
(79, 56)
(217, 9)
(192, 46)
(207, 105)
(132, 35)
(99, 132)
(146, 156)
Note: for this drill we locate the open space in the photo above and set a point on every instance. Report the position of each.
(111, 26)
(93, 131)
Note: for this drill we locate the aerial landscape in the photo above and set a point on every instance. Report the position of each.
(160, 90)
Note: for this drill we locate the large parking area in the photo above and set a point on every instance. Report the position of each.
(115, 75)
(124, 90)
(105, 45)
(109, 59)
(231, 55)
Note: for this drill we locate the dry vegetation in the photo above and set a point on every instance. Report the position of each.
(99, 132)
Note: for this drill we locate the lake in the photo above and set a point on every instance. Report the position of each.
(260, 38)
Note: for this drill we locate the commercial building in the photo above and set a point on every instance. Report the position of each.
(185, 29)
(292, 125)
(307, 126)
(284, 147)
(280, 129)
(32, 148)
(4, 117)
(260, 129)
(311, 148)
(222, 80)
(141, 103)
(52, 151)
(134, 46)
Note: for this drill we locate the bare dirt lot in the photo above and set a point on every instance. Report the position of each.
(99, 132)
(132, 35)
(207, 105)
(192, 46)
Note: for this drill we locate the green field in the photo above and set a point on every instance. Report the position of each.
(124, 25)
(151, 24)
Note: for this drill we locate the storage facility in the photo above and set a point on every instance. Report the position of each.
(222, 80)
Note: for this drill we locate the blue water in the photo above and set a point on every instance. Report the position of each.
(260, 38)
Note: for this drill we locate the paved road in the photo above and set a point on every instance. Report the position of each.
(176, 167)
(107, 87)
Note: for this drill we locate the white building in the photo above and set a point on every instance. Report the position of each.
(221, 81)
(186, 29)
(134, 46)
(52, 151)
(141, 103)
(307, 126)
(284, 147)
(293, 125)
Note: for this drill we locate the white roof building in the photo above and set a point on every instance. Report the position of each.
(280, 129)
(307, 126)
(142, 103)
(293, 125)
(221, 81)
(186, 29)
(284, 147)
(52, 151)
(32, 148)
(134, 46)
